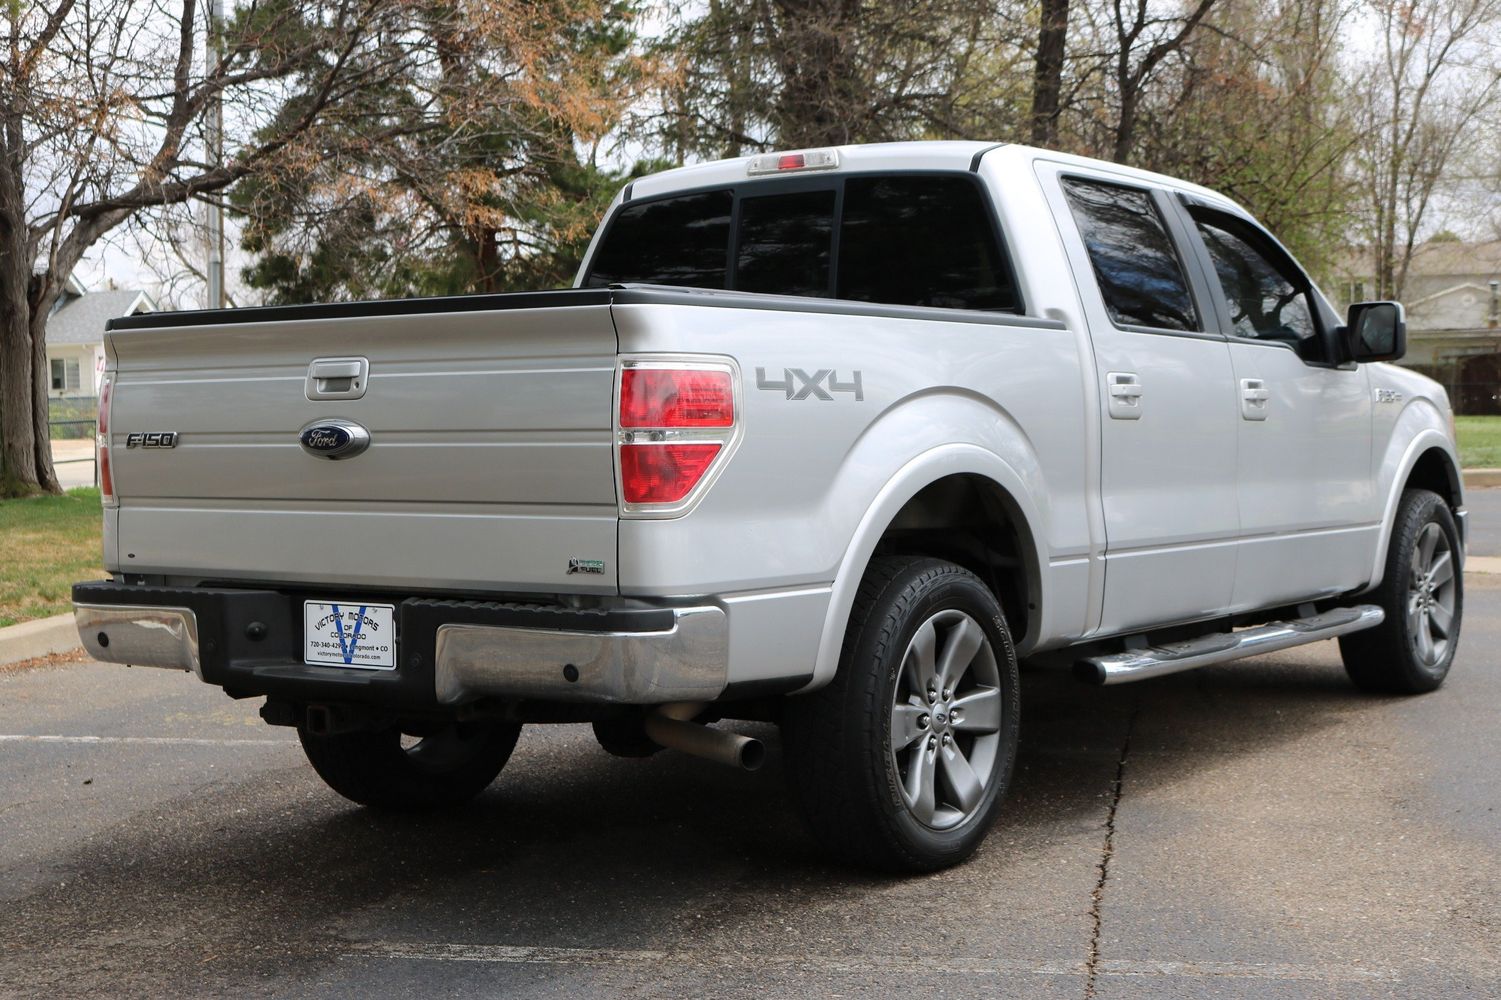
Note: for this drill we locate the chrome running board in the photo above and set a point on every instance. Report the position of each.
(1154, 661)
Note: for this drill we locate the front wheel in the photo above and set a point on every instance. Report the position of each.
(1422, 593)
(445, 767)
(901, 762)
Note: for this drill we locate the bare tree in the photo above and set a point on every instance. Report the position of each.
(1436, 74)
(1047, 85)
(102, 104)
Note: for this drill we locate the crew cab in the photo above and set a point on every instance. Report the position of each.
(832, 438)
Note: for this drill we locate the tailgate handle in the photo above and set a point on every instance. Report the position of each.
(337, 378)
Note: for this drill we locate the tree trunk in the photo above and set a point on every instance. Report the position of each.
(1047, 80)
(46, 475)
(17, 419)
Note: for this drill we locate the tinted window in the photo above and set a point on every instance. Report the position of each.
(1264, 304)
(784, 243)
(1138, 271)
(675, 241)
(920, 241)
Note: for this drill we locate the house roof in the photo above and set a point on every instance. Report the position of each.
(80, 319)
(1433, 260)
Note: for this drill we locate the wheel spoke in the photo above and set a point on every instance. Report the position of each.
(1425, 640)
(904, 728)
(1427, 541)
(979, 711)
(1414, 613)
(1442, 569)
(960, 779)
(920, 660)
(963, 643)
(1442, 619)
(920, 788)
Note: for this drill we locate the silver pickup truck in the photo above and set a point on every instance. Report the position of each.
(830, 438)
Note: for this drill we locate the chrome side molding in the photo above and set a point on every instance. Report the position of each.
(1155, 661)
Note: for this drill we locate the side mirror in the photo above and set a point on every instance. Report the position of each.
(1375, 331)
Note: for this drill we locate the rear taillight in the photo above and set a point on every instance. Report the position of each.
(106, 476)
(675, 422)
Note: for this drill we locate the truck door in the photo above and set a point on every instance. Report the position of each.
(1163, 372)
(1310, 520)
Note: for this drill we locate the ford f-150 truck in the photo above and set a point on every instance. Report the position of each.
(831, 438)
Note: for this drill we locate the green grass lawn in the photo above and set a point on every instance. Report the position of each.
(1479, 442)
(47, 544)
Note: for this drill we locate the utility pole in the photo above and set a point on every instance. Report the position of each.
(214, 138)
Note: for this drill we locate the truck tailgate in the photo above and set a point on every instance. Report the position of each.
(489, 466)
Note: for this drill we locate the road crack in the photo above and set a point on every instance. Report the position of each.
(1107, 851)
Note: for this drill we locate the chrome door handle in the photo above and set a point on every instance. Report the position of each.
(1254, 396)
(1125, 393)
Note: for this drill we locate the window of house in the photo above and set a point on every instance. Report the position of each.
(65, 375)
(1140, 276)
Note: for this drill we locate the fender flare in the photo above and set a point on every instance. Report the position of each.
(920, 472)
(1427, 439)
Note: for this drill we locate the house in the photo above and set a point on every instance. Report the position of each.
(1453, 302)
(75, 336)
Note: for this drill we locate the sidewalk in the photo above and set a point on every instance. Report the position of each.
(74, 473)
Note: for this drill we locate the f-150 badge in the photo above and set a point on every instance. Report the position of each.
(798, 384)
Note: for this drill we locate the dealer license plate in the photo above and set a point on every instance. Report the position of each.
(349, 634)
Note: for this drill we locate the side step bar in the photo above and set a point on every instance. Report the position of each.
(1154, 661)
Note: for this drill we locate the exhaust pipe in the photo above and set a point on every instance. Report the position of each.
(669, 726)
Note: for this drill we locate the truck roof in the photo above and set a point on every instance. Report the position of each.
(918, 155)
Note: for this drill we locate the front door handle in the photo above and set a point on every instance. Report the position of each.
(1124, 390)
(1254, 397)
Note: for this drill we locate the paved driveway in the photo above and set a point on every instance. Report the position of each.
(1257, 829)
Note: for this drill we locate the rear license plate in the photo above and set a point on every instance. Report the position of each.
(349, 634)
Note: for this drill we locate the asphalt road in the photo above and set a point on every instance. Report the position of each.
(1257, 829)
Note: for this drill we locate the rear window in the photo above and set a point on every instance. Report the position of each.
(785, 243)
(921, 241)
(914, 239)
(673, 241)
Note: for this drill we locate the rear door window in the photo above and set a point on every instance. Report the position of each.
(1140, 276)
(670, 241)
(921, 241)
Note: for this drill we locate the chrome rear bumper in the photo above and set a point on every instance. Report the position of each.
(688, 662)
(140, 636)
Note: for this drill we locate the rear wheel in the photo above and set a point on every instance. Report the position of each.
(901, 762)
(383, 768)
(1422, 593)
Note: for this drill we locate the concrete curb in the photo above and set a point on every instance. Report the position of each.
(1483, 564)
(1477, 478)
(29, 640)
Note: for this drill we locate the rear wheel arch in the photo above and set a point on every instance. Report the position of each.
(912, 515)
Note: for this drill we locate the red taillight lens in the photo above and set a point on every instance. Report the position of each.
(106, 477)
(663, 473)
(674, 397)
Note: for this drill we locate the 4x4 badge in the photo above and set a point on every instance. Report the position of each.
(798, 384)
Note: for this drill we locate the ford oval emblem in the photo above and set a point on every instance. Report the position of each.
(334, 439)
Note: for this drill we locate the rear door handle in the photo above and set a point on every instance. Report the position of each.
(337, 378)
(1124, 390)
(1254, 397)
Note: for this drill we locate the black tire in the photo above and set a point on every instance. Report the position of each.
(1395, 657)
(444, 769)
(625, 737)
(846, 767)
